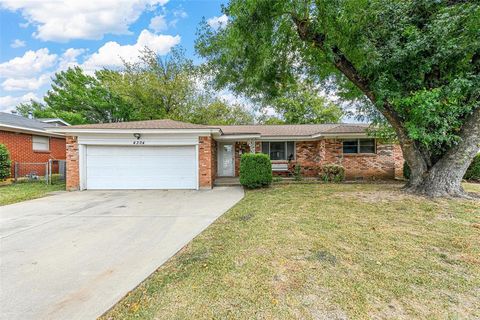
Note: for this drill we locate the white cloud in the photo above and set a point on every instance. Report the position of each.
(218, 22)
(32, 72)
(72, 19)
(17, 43)
(111, 53)
(35, 68)
(69, 58)
(31, 63)
(180, 13)
(25, 84)
(8, 103)
(158, 23)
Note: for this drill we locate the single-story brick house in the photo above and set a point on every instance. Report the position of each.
(28, 141)
(167, 154)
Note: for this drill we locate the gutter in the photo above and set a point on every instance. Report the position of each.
(340, 135)
(39, 132)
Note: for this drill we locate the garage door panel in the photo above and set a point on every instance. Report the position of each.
(114, 167)
(140, 150)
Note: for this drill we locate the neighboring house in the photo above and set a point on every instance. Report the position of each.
(166, 154)
(28, 141)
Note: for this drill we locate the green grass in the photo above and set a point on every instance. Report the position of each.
(18, 192)
(298, 251)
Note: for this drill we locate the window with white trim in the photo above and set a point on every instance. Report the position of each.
(359, 146)
(279, 150)
(40, 143)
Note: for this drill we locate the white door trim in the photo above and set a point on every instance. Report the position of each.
(197, 173)
(82, 166)
(220, 158)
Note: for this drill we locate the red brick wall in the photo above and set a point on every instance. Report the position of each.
(73, 176)
(20, 147)
(308, 154)
(207, 161)
(387, 163)
(362, 166)
(244, 148)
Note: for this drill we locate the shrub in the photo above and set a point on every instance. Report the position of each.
(297, 172)
(255, 170)
(332, 173)
(4, 162)
(473, 171)
(406, 170)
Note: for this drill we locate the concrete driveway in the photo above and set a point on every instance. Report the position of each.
(74, 255)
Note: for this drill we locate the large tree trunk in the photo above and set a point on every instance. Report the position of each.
(445, 176)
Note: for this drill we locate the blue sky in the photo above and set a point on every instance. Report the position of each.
(40, 37)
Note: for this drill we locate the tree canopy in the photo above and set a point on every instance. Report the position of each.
(156, 87)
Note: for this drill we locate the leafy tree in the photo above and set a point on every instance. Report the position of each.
(170, 87)
(74, 91)
(221, 113)
(417, 63)
(154, 88)
(40, 110)
(157, 87)
(269, 119)
(304, 106)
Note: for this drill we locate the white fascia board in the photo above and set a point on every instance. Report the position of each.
(75, 131)
(38, 132)
(288, 138)
(237, 137)
(341, 135)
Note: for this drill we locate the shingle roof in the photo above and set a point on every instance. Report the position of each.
(294, 129)
(146, 124)
(19, 121)
(263, 130)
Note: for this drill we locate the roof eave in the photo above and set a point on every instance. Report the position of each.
(39, 132)
(78, 131)
(339, 135)
(236, 137)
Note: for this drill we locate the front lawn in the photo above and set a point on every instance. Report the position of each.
(26, 191)
(356, 251)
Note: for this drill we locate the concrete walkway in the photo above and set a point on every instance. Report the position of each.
(74, 255)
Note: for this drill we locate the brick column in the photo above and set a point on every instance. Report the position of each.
(73, 178)
(206, 162)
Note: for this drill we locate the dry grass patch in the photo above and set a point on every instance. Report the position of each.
(322, 252)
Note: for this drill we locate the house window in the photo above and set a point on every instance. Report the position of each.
(279, 150)
(359, 146)
(40, 143)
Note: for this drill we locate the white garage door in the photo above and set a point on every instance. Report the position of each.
(139, 167)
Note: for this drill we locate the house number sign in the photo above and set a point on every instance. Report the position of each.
(138, 142)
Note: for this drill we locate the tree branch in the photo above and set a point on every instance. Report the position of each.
(412, 151)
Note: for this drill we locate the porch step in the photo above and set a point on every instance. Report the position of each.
(227, 181)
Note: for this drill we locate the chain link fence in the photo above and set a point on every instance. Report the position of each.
(51, 172)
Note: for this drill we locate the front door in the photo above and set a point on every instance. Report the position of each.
(225, 157)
